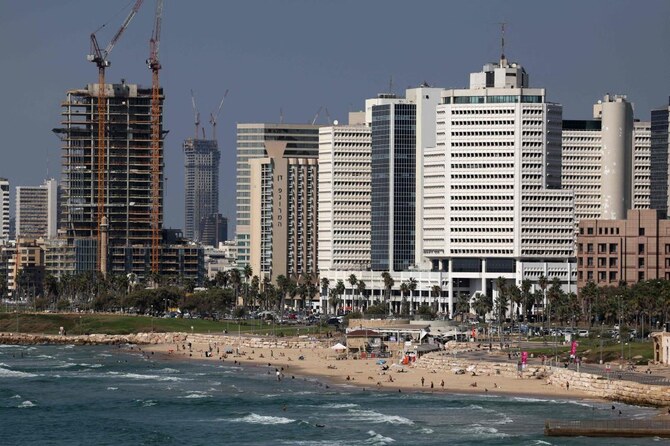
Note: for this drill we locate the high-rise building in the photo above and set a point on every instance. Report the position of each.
(37, 210)
(213, 230)
(127, 173)
(201, 184)
(302, 141)
(606, 161)
(402, 129)
(492, 197)
(4, 210)
(283, 211)
(344, 196)
(660, 162)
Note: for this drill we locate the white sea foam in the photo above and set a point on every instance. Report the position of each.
(485, 431)
(253, 418)
(195, 396)
(339, 406)
(378, 439)
(371, 416)
(91, 366)
(65, 365)
(44, 357)
(140, 376)
(426, 430)
(169, 370)
(16, 396)
(6, 373)
(112, 388)
(26, 403)
(541, 442)
(149, 403)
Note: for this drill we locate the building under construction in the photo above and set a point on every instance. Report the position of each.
(126, 176)
(201, 189)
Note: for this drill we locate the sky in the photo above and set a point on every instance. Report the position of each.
(300, 55)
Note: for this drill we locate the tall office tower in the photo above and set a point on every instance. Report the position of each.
(302, 141)
(127, 176)
(4, 210)
(492, 184)
(344, 196)
(402, 129)
(37, 210)
(213, 230)
(201, 184)
(660, 162)
(283, 212)
(606, 161)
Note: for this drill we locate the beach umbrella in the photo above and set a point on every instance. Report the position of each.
(339, 346)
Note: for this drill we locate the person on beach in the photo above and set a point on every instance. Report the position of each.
(442, 384)
(422, 380)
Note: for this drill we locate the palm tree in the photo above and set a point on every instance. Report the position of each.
(501, 302)
(353, 280)
(235, 282)
(255, 287)
(339, 290)
(482, 304)
(248, 272)
(388, 285)
(526, 297)
(361, 292)
(282, 286)
(589, 295)
(554, 295)
(411, 283)
(404, 289)
(437, 292)
(462, 305)
(515, 297)
(334, 300)
(543, 282)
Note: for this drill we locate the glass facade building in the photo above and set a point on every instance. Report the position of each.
(659, 159)
(393, 186)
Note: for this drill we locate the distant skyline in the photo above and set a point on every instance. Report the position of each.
(300, 55)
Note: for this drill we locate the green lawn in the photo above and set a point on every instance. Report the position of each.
(591, 350)
(46, 323)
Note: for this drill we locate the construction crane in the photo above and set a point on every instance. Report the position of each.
(196, 113)
(214, 116)
(154, 65)
(99, 57)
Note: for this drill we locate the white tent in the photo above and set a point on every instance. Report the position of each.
(339, 346)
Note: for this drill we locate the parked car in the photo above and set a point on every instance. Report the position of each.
(583, 333)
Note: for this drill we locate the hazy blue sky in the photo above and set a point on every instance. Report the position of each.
(299, 55)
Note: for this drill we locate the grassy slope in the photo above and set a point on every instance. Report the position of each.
(121, 324)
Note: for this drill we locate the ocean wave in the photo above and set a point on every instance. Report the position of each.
(426, 430)
(378, 439)
(169, 370)
(147, 403)
(112, 388)
(485, 431)
(141, 376)
(44, 357)
(371, 416)
(338, 405)
(25, 404)
(16, 396)
(6, 373)
(195, 396)
(91, 366)
(65, 365)
(253, 418)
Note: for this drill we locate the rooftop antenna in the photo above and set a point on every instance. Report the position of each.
(502, 39)
(391, 84)
(281, 115)
(316, 116)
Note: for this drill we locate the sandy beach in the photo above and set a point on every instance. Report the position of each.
(321, 363)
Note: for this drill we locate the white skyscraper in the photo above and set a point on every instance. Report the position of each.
(37, 210)
(606, 161)
(4, 210)
(344, 196)
(492, 198)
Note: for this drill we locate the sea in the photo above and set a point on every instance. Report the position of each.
(105, 395)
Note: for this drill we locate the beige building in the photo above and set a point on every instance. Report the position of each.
(630, 250)
(283, 211)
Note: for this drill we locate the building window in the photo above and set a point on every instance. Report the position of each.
(667, 249)
(589, 275)
(613, 262)
(589, 261)
(580, 261)
(589, 248)
(602, 247)
(613, 248)
(640, 276)
(640, 248)
(581, 275)
(640, 262)
(613, 276)
(601, 276)
(580, 248)
(589, 231)
(641, 231)
(602, 262)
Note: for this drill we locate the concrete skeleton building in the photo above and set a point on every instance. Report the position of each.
(344, 195)
(302, 141)
(201, 187)
(4, 210)
(283, 212)
(37, 210)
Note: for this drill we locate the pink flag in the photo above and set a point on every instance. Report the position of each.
(573, 348)
(524, 357)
